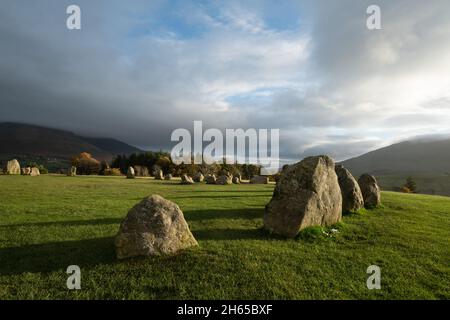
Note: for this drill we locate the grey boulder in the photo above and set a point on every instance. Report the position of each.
(13, 167)
(153, 227)
(35, 172)
(130, 173)
(370, 191)
(259, 180)
(185, 179)
(159, 174)
(210, 179)
(198, 177)
(307, 194)
(352, 199)
(72, 172)
(224, 179)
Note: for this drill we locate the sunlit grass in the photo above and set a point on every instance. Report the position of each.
(50, 222)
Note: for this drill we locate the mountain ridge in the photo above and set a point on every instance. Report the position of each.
(423, 155)
(33, 140)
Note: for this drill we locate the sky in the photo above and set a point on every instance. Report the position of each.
(138, 70)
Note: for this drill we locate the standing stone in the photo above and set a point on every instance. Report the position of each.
(35, 172)
(130, 173)
(159, 174)
(140, 171)
(198, 177)
(168, 177)
(352, 199)
(224, 179)
(185, 179)
(236, 180)
(155, 226)
(210, 179)
(72, 172)
(13, 167)
(307, 194)
(370, 191)
(259, 180)
(26, 171)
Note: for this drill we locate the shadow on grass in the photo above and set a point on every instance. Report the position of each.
(66, 223)
(207, 214)
(57, 255)
(90, 252)
(54, 256)
(232, 191)
(223, 196)
(232, 234)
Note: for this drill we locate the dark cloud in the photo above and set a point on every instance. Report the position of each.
(327, 82)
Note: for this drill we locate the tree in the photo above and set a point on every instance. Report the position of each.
(147, 159)
(86, 164)
(250, 170)
(410, 185)
(164, 163)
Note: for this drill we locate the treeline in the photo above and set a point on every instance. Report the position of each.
(161, 160)
(146, 159)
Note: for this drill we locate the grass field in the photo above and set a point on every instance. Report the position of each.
(50, 222)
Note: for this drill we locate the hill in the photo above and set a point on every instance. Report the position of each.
(408, 157)
(426, 160)
(113, 146)
(30, 141)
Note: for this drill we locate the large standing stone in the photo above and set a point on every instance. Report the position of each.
(259, 180)
(198, 177)
(13, 167)
(35, 172)
(224, 179)
(185, 179)
(26, 171)
(130, 173)
(236, 179)
(307, 194)
(210, 179)
(370, 191)
(352, 199)
(155, 226)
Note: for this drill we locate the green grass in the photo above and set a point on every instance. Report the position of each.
(50, 222)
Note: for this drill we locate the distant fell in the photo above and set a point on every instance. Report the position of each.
(409, 157)
(113, 146)
(17, 139)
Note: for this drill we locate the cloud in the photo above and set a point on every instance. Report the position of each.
(311, 68)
